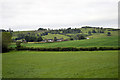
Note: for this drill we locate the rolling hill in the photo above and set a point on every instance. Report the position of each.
(95, 39)
(108, 41)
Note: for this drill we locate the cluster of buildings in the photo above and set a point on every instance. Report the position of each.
(52, 40)
(46, 40)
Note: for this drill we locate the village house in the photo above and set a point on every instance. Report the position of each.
(87, 38)
(61, 39)
(50, 40)
(43, 41)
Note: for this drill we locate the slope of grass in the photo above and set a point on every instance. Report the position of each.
(51, 36)
(109, 41)
(102, 35)
(81, 64)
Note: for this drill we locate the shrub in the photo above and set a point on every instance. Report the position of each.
(39, 39)
(108, 34)
(93, 31)
(71, 38)
(92, 48)
(83, 49)
(80, 37)
(109, 48)
(18, 44)
(89, 33)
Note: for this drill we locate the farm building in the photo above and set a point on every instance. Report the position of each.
(50, 40)
(87, 38)
(60, 39)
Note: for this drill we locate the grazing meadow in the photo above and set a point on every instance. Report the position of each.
(66, 64)
(111, 41)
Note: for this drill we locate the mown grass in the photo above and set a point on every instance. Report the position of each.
(79, 64)
(108, 41)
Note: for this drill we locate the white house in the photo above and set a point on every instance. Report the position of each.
(50, 40)
(87, 38)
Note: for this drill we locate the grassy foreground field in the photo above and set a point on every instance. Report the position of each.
(79, 64)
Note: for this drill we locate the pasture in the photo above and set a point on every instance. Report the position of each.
(51, 36)
(79, 64)
(107, 41)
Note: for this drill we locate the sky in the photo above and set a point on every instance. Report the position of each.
(33, 14)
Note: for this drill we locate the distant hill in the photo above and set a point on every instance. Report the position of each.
(103, 41)
(91, 32)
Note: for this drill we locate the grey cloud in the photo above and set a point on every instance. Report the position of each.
(49, 13)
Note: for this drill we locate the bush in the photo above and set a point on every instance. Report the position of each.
(80, 37)
(92, 48)
(39, 39)
(18, 44)
(71, 38)
(108, 34)
(109, 48)
(93, 31)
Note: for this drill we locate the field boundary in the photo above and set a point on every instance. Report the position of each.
(66, 48)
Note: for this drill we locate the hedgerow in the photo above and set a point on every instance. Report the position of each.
(68, 48)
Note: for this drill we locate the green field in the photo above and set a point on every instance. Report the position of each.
(107, 41)
(51, 36)
(79, 64)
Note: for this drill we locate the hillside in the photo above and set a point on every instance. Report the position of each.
(64, 33)
(103, 41)
(98, 37)
(51, 36)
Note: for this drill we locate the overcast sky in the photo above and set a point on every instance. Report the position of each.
(32, 14)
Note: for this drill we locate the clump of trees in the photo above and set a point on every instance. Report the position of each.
(80, 37)
(65, 31)
(41, 29)
(33, 39)
(6, 40)
(39, 39)
(93, 31)
(89, 33)
(71, 38)
(55, 38)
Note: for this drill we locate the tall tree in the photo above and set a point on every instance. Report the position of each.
(80, 37)
(55, 38)
(89, 33)
(93, 31)
(6, 40)
(39, 39)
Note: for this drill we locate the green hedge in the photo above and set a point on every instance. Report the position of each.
(69, 48)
